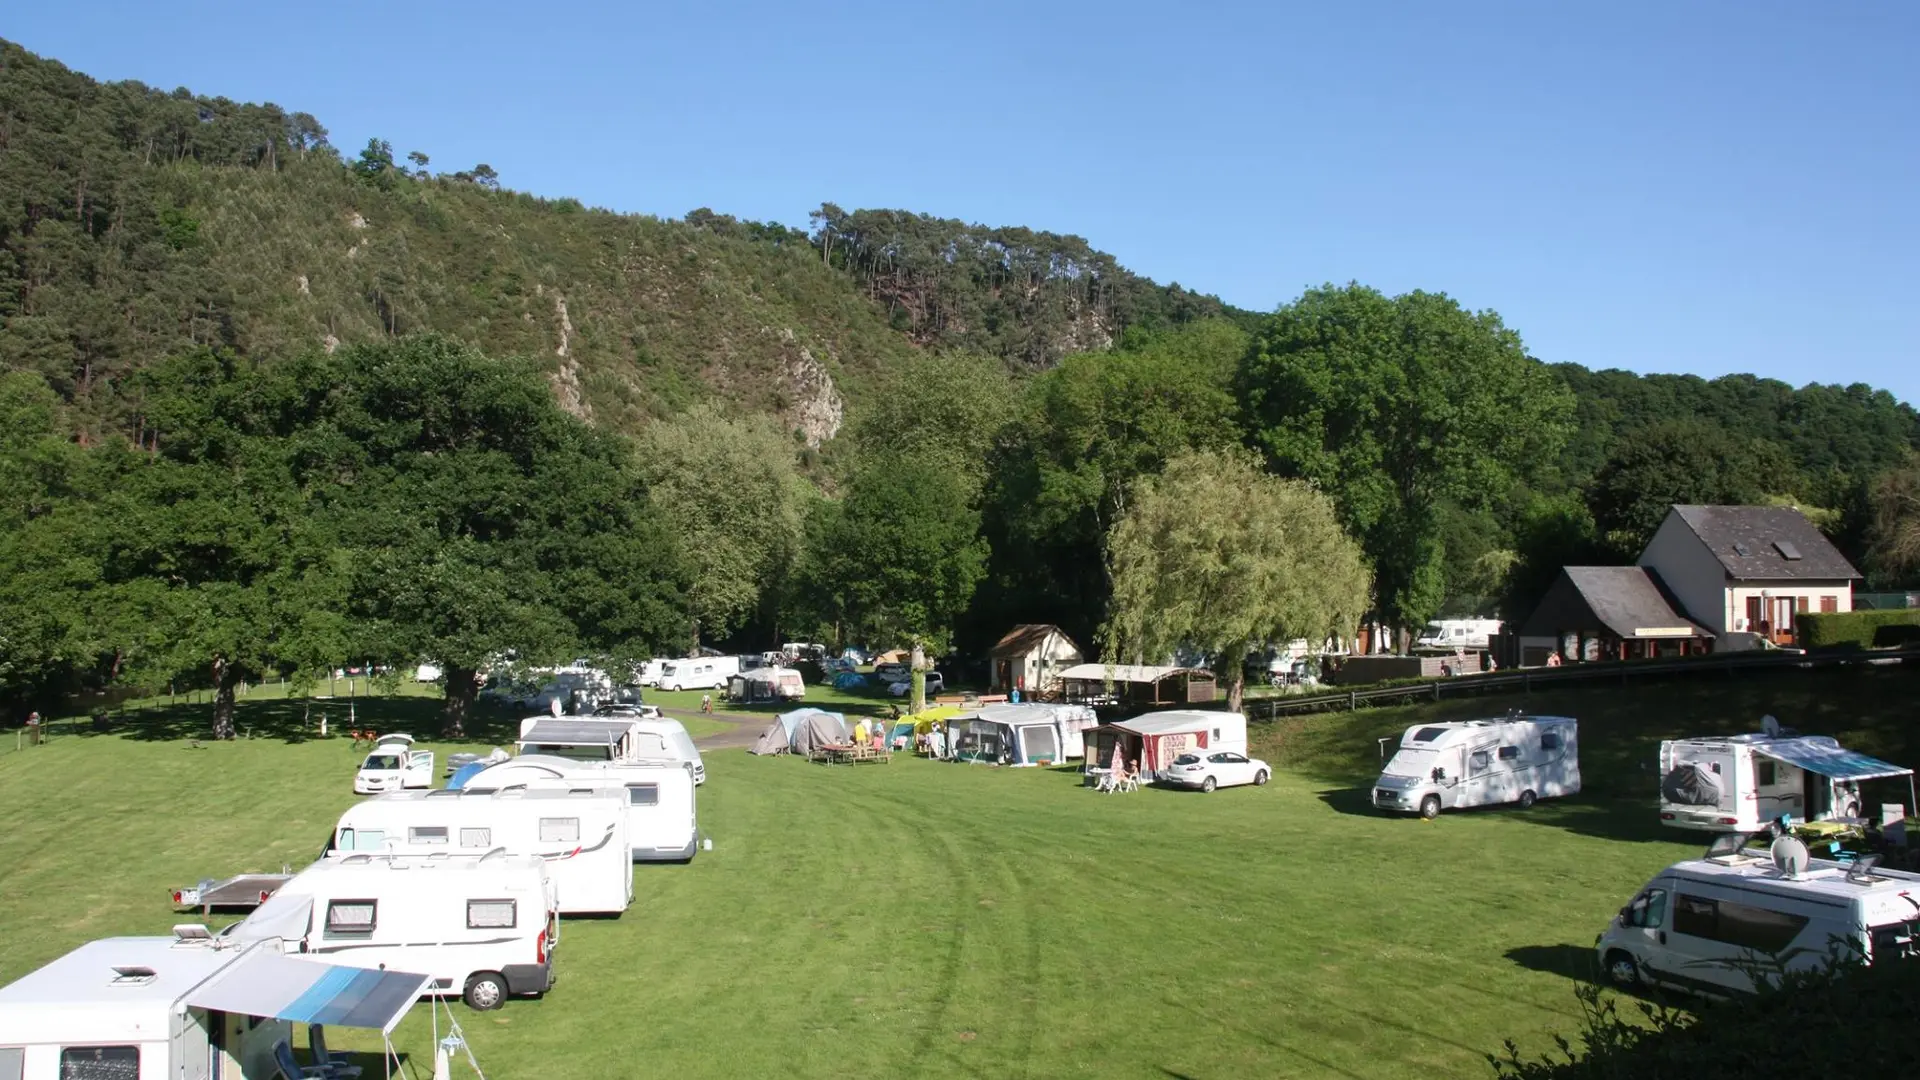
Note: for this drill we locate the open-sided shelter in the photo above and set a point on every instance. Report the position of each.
(1139, 685)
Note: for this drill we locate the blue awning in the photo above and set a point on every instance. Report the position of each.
(269, 983)
(1819, 754)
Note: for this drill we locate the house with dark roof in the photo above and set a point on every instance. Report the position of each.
(1748, 568)
(1608, 613)
(1030, 658)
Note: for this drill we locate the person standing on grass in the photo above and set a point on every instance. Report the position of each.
(706, 704)
(860, 731)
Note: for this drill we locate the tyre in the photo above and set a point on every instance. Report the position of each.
(486, 991)
(1622, 968)
(1430, 807)
(1526, 800)
(1260, 778)
(1208, 785)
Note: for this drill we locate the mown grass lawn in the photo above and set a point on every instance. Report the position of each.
(919, 919)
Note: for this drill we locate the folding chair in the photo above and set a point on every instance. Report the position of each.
(290, 1069)
(336, 1065)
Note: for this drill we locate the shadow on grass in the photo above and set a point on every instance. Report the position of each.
(1633, 820)
(298, 720)
(1572, 961)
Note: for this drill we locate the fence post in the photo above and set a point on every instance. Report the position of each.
(1436, 691)
(1353, 700)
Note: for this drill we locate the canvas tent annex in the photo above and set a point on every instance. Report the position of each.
(1027, 734)
(1155, 739)
(767, 684)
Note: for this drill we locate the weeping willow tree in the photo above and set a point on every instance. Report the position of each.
(1214, 554)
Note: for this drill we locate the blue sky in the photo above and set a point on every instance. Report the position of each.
(1705, 187)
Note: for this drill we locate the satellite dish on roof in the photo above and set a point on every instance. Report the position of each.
(1790, 857)
(1770, 725)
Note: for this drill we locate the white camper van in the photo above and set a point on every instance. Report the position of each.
(699, 673)
(619, 739)
(1458, 634)
(581, 831)
(482, 927)
(1714, 924)
(393, 765)
(650, 672)
(187, 1007)
(1515, 759)
(662, 825)
(1739, 783)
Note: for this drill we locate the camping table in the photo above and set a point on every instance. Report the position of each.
(1095, 776)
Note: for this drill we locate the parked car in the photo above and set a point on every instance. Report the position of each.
(890, 673)
(1220, 769)
(935, 683)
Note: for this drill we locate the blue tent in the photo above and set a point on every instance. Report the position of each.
(849, 680)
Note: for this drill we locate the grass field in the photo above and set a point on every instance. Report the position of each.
(920, 919)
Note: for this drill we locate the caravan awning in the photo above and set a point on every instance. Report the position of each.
(267, 983)
(575, 732)
(1826, 757)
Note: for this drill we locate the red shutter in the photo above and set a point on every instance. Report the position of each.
(1829, 603)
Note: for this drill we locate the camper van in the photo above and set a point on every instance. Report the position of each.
(1739, 783)
(482, 927)
(661, 823)
(1458, 634)
(1515, 759)
(394, 765)
(700, 673)
(581, 831)
(618, 739)
(187, 1007)
(1711, 925)
(649, 674)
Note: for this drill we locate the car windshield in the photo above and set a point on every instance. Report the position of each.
(383, 761)
(1187, 759)
(1411, 762)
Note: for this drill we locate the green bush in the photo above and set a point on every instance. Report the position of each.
(1856, 629)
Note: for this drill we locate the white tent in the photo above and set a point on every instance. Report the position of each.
(1024, 734)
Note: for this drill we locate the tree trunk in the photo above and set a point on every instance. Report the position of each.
(222, 698)
(1236, 687)
(919, 677)
(462, 684)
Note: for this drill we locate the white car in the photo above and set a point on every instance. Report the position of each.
(935, 684)
(1217, 770)
(394, 765)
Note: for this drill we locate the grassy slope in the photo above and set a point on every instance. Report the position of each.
(933, 920)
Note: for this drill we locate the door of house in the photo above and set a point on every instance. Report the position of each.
(1783, 609)
(1756, 615)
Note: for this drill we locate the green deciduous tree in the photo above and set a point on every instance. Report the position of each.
(1679, 461)
(1213, 554)
(1392, 405)
(1895, 502)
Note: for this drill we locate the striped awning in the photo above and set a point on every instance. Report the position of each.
(268, 983)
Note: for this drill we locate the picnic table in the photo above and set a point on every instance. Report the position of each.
(851, 754)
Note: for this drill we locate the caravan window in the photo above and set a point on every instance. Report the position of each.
(1509, 753)
(1480, 761)
(491, 914)
(1550, 740)
(1650, 910)
(1428, 734)
(481, 838)
(352, 839)
(13, 1062)
(351, 916)
(426, 834)
(559, 830)
(1742, 925)
(643, 794)
(1765, 772)
(99, 1063)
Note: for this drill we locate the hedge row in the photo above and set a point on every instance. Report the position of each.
(1858, 629)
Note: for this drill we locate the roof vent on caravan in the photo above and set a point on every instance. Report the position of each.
(1861, 871)
(189, 933)
(132, 976)
(1730, 849)
(1790, 857)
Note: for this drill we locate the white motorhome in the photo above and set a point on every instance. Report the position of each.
(1462, 763)
(699, 673)
(581, 832)
(1458, 634)
(393, 765)
(187, 1007)
(1738, 783)
(483, 927)
(617, 739)
(662, 825)
(650, 672)
(1720, 925)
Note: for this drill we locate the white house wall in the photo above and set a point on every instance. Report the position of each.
(1691, 572)
(1737, 596)
(1042, 665)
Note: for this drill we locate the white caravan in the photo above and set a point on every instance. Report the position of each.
(1711, 925)
(1739, 783)
(580, 831)
(1515, 759)
(650, 672)
(621, 740)
(187, 1007)
(1458, 634)
(394, 765)
(699, 673)
(662, 825)
(483, 927)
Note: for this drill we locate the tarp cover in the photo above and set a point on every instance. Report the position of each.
(1690, 785)
(565, 732)
(265, 983)
(1820, 754)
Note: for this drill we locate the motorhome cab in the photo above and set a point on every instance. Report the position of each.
(661, 823)
(1458, 634)
(392, 765)
(620, 740)
(701, 673)
(1711, 925)
(188, 1007)
(581, 832)
(1515, 759)
(483, 928)
(1741, 782)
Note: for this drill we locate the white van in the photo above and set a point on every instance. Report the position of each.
(483, 927)
(618, 739)
(186, 1007)
(1739, 783)
(650, 672)
(580, 831)
(1515, 759)
(394, 765)
(1720, 924)
(662, 825)
(1458, 634)
(700, 673)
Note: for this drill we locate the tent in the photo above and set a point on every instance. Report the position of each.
(849, 680)
(1025, 734)
(779, 736)
(1155, 739)
(892, 656)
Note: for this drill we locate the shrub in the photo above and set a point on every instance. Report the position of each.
(1857, 629)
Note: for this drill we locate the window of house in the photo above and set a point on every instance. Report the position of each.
(1800, 603)
(1765, 773)
(491, 914)
(559, 830)
(351, 916)
(426, 834)
(643, 794)
(99, 1063)
(1509, 753)
(1829, 603)
(480, 838)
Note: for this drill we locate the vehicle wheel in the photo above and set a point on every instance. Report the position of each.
(1260, 778)
(486, 990)
(1208, 785)
(1526, 800)
(1622, 968)
(1430, 807)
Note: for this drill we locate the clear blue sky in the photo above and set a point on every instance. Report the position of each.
(1697, 186)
